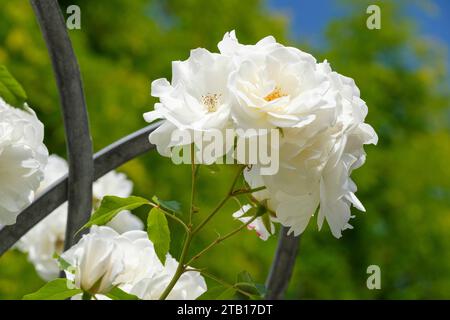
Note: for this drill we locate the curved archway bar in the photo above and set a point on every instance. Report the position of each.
(73, 107)
(105, 160)
(282, 265)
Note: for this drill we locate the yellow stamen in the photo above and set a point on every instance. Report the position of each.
(275, 94)
(210, 101)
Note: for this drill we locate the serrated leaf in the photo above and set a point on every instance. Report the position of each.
(170, 205)
(10, 90)
(159, 233)
(53, 290)
(118, 294)
(111, 206)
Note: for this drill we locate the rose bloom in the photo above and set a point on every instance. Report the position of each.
(147, 278)
(106, 258)
(96, 261)
(321, 117)
(23, 157)
(47, 237)
(196, 100)
(318, 112)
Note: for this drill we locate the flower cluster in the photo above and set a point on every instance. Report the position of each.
(318, 112)
(23, 156)
(47, 237)
(104, 258)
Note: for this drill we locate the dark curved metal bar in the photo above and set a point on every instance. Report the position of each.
(76, 121)
(282, 265)
(105, 160)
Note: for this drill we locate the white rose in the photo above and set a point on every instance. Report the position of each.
(140, 258)
(197, 99)
(190, 286)
(129, 261)
(274, 86)
(146, 277)
(23, 156)
(316, 161)
(47, 237)
(97, 261)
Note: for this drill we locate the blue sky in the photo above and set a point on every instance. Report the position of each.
(309, 17)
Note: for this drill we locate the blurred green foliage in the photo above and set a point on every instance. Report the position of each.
(405, 184)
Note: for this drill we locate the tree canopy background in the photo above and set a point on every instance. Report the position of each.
(405, 185)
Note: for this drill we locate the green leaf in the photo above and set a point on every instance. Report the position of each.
(10, 90)
(250, 289)
(246, 283)
(53, 290)
(261, 289)
(218, 293)
(227, 294)
(212, 293)
(159, 233)
(244, 276)
(111, 206)
(118, 294)
(170, 205)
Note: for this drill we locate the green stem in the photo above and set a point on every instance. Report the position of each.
(86, 296)
(222, 203)
(171, 215)
(180, 269)
(220, 239)
(259, 203)
(246, 191)
(193, 174)
(189, 234)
